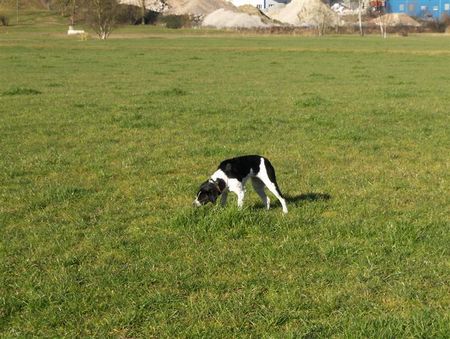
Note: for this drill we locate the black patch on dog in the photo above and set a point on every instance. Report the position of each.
(238, 168)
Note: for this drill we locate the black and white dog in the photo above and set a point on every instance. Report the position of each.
(232, 174)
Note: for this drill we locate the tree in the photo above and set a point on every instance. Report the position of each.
(101, 15)
(383, 21)
(153, 5)
(10, 4)
(61, 5)
(64, 6)
(143, 10)
(360, 8)
(318, 15)
(325, 19)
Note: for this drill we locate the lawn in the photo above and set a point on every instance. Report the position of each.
(103, 145)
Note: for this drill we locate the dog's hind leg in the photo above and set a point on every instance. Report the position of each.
(267, 176)
(240, 198)
(258, 185)
(272, 188)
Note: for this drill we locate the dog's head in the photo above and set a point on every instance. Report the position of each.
(209, 191)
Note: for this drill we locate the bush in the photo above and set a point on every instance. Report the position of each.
(176, 21)
(4, 21)
(435, 26)
(151, 17)
(127, 14)
(445, 19)
(132, 15)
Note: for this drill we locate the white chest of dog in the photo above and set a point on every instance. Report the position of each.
(232, 175)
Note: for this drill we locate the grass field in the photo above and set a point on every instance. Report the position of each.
(103, 145)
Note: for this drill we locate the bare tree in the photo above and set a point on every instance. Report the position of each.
(143, 10)
(326, 19)
(74, 11)
(12, 3)
(360, 9)
(65, 7)
(383, 21)
(101, 15)
(9, 4)
(61, 5)
(319, 16)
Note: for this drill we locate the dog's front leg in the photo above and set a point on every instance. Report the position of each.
(224, 197)
(237, 187)
(240, 198)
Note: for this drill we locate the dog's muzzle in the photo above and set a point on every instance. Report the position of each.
(196, 203)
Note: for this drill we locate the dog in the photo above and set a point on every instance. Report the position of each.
(232, 175)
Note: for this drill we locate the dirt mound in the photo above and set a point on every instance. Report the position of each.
(198, 7)
(228, 19)
(395, 19)
(303, 13)
(252, 10)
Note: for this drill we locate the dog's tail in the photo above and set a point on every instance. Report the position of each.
(271, 174)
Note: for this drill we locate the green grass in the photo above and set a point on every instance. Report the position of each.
(103, 145)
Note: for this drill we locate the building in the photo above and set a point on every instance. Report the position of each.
(261, 4)
(426, 9)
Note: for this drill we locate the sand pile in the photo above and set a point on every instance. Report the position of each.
(274, 10)
(228, 19)
(395, 19)
(305, 13)
(198, 7)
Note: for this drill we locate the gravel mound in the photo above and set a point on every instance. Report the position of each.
(304, 13)
(222, 18)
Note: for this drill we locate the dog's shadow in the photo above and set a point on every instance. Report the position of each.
(310, 196)
(297, 199)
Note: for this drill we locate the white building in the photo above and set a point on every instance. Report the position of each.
(261, 4)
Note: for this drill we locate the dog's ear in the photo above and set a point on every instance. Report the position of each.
(221, 183)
